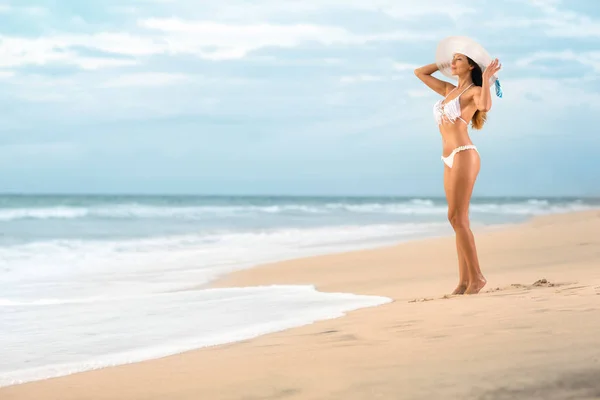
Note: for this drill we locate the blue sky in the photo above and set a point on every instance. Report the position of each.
(312, 97)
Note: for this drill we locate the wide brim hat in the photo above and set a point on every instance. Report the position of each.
(451, 45)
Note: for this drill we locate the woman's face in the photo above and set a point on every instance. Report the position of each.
(460, 65)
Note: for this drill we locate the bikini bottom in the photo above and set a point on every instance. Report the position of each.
(450, 159)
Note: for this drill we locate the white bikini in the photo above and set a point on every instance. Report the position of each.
(451, 112)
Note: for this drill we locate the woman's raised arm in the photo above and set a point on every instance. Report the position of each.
(424, 73)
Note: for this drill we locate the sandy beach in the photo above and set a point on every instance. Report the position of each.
(532, 333)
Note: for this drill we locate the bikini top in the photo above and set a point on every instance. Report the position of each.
(451, 110)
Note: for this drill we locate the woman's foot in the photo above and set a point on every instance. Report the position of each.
(461, 288)
(475, 286)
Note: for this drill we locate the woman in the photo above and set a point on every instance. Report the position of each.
(468, 101)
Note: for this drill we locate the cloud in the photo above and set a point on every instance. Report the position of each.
(405, 10)
(411, 9)
(564, 22)
(16, 51)
(28, 10)
(33, 11)
(172, 36)
(361, 78)
(555, 21)
(542, 95)
(546, 5)
(148, 79)
(589, 59)
(219, 41)
(129, 10)
(400, 66)
(97, 63)
(577, 26)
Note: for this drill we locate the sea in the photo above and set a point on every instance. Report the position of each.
(88, 282)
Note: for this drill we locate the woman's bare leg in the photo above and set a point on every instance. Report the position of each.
(463, 271)
(461, 182)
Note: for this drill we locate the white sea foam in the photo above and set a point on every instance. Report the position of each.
(84, 268)
(53, 339)
(195, 212)
(73, 305)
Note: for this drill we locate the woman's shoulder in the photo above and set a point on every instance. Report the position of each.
(474, 91)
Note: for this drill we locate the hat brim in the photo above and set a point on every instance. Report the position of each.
(451, 45)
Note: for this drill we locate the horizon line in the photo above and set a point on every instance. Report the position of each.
(321, 195)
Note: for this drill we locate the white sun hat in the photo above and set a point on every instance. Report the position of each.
(451, 45)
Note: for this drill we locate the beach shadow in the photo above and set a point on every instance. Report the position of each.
(581, 385)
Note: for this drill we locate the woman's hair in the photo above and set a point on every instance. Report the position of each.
(477, 76)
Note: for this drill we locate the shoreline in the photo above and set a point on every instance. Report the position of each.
(216, 284)
(380, 271)
(250, 277)
(223, 281)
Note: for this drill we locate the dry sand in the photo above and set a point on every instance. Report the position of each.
(518, 339)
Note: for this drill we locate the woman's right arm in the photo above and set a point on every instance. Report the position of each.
(424, 73)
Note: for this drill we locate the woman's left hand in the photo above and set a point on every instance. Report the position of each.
(491, 70)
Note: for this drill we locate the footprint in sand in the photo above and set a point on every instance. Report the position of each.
(566, 288)
(539, 283)
(420, 300)
(510, 290)
(444, 297)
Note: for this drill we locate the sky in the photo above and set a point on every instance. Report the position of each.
(313, 97)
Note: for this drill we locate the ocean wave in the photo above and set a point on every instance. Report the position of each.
(198, 212)
(10, 214)
(75, 268)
